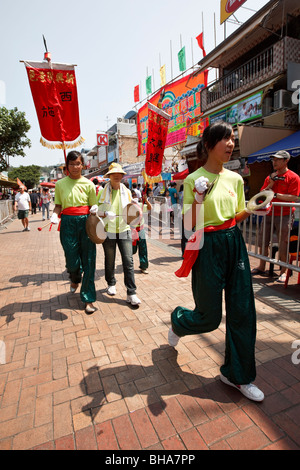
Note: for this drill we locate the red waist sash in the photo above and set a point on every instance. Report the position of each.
(79, 210)
(193, 246)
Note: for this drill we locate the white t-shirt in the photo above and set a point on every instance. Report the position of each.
(23, 201)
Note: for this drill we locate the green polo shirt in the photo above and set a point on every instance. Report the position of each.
(75, 193)
(223, 202)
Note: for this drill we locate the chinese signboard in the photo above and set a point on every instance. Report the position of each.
(242, 111)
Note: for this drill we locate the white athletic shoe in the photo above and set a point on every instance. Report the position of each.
(111, 290)
(172, 338)
(133, 299)
(250, 391)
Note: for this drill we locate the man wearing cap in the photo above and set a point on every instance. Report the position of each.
(286, 186)
(23, 202)
(114, 198)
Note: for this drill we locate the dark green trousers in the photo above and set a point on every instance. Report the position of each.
(141, 247)
(223, 265)
(80, 254)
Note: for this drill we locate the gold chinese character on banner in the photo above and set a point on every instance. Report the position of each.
(31, 74)
(42, 76)
(70, 78)
(59, 77)
(50, 76)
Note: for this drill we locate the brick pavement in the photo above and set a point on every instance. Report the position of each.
(110, 380)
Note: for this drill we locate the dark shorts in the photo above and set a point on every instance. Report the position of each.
(281, 227)
(23, 214)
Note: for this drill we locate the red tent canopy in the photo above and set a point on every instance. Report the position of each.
(181, 175)
(48, 185)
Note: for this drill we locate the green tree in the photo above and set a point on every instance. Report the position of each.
(29, 175)
(13, 129)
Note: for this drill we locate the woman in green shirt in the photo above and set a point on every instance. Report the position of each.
(75, 196)
(213, 202)
(114, 198)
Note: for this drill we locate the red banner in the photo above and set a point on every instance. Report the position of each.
(158, 122)
(54, 92)
(136, 93)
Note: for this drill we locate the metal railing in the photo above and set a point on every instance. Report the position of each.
(258, 67)
(252, 227)
(6, 211)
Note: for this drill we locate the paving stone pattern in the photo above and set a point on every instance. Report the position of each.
(110, 380)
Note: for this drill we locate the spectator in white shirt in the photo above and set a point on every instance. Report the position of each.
(22, 201)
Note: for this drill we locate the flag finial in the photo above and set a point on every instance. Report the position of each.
(47, 55)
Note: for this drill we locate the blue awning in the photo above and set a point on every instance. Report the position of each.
(291, 144)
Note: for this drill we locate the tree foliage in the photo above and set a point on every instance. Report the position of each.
(29, 175)
(13, 140)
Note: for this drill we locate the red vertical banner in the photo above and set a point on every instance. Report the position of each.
(138, 125)
(54, 92)
(158, 122)
(136, 94)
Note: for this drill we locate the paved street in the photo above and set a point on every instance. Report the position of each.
(111, 381)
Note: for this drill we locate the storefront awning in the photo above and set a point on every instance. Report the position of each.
(291, 144)
(7, 182)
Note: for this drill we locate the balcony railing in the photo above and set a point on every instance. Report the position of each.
(261, 66)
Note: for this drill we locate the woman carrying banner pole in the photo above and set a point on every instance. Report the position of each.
(75, 198)
(213, 203)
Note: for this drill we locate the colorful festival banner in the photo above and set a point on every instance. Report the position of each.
(181, 59)
(149, 85)
(162, 72)
(136, 94)
(158, 122)
(54, 92)
(182, 103)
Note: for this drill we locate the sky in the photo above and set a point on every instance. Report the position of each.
(114, 46)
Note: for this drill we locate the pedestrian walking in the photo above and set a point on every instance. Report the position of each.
(34, 201)
(46, 199)
(23, 204)
(139, 242)
(75, 198)
(221, 263)
(114, 198)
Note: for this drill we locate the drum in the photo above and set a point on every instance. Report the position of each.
(132, 214)
(95, 229)
(260, 200)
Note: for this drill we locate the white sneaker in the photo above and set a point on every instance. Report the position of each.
(250, 391)
(172, 338)
(111, 290)
(133, 299)
(282, 278)
(145, 271)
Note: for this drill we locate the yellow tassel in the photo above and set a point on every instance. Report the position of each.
(151, 179)
(62, 145)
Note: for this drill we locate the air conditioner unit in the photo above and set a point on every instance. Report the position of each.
(283, 99)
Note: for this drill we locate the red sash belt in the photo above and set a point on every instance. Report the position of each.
(135, 233)
(79, 210)
(193, 246)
